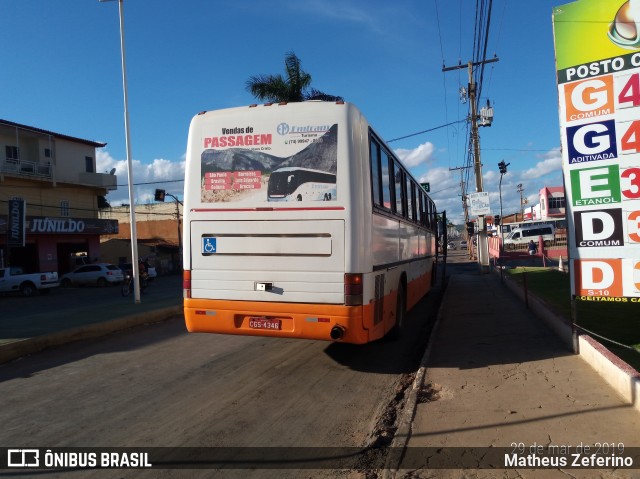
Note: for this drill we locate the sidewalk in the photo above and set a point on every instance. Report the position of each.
(495, 376)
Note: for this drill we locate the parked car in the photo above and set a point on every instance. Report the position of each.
(451, 245)
(100, 274)
(463, 244)
(15, 279)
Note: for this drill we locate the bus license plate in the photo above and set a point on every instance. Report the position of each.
(264, 323)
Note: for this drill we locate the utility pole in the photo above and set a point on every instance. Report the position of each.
(483, 244)
(522, 201)
(463, 193)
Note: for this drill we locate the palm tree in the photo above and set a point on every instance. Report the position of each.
(295, 87)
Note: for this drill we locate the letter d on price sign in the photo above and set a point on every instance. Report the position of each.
(602, 277)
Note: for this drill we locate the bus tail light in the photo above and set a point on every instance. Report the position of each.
(353, 289)
(186, 283)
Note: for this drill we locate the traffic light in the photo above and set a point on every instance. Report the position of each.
(496, 220)
(470, 228)
(503, 167)
(159, 196)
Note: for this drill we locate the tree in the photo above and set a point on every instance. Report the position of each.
(294, 87)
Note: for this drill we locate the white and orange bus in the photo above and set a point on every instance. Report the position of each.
(300, 222)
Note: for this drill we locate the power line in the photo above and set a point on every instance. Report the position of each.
(426, 131)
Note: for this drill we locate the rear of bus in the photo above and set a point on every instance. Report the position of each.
(276, 259)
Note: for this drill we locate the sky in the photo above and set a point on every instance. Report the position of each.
(62, 73)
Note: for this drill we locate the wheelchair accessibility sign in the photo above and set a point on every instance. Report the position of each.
(208, 245)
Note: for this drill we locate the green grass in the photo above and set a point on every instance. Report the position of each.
(619, 322)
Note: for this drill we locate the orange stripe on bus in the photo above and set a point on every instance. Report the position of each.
(232, 317)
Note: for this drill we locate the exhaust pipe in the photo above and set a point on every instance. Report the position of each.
(337, 332)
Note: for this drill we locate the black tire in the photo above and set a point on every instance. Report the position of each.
(126, 288)
(27, 289)
(102, 282)
(401, 312)
(66, 283)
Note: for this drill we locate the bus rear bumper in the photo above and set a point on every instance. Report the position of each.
(285, 320)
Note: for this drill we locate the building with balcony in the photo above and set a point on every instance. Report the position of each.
(54, 177)
(552, 202)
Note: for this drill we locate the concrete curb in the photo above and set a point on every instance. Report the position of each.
(620, 376)
(24, 347)
(403, 432)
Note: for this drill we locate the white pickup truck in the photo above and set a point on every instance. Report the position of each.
(15, 280)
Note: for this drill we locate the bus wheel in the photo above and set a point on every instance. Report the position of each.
(299, 198)
(401, 311)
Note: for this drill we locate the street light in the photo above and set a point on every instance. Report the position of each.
(132, 213)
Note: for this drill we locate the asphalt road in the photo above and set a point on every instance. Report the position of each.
(158, 386)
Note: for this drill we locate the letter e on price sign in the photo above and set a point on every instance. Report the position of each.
(595, 186)
(601, 277)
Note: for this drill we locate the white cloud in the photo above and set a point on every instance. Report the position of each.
(551, 163)
(421, 154)
(160, 173)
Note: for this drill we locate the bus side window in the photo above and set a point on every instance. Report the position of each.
(427, 213)
(387, 185)
(376, 180)
(400, 194)
(410, 204)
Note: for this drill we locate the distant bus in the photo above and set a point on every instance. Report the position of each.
(343, 264)
(557, 223)
(297, 184)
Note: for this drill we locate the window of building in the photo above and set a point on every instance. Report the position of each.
(12, 153)
(47, 152)
(88, 161)
(556, 203)
(64, 208)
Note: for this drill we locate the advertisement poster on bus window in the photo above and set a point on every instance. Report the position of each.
(279, 163)
(598, 71)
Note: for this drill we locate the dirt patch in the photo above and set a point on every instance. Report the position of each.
(429, 393)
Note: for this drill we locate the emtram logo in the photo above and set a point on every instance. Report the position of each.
(589, 98)
(595, 186)
(592, 142)
(283, 129)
